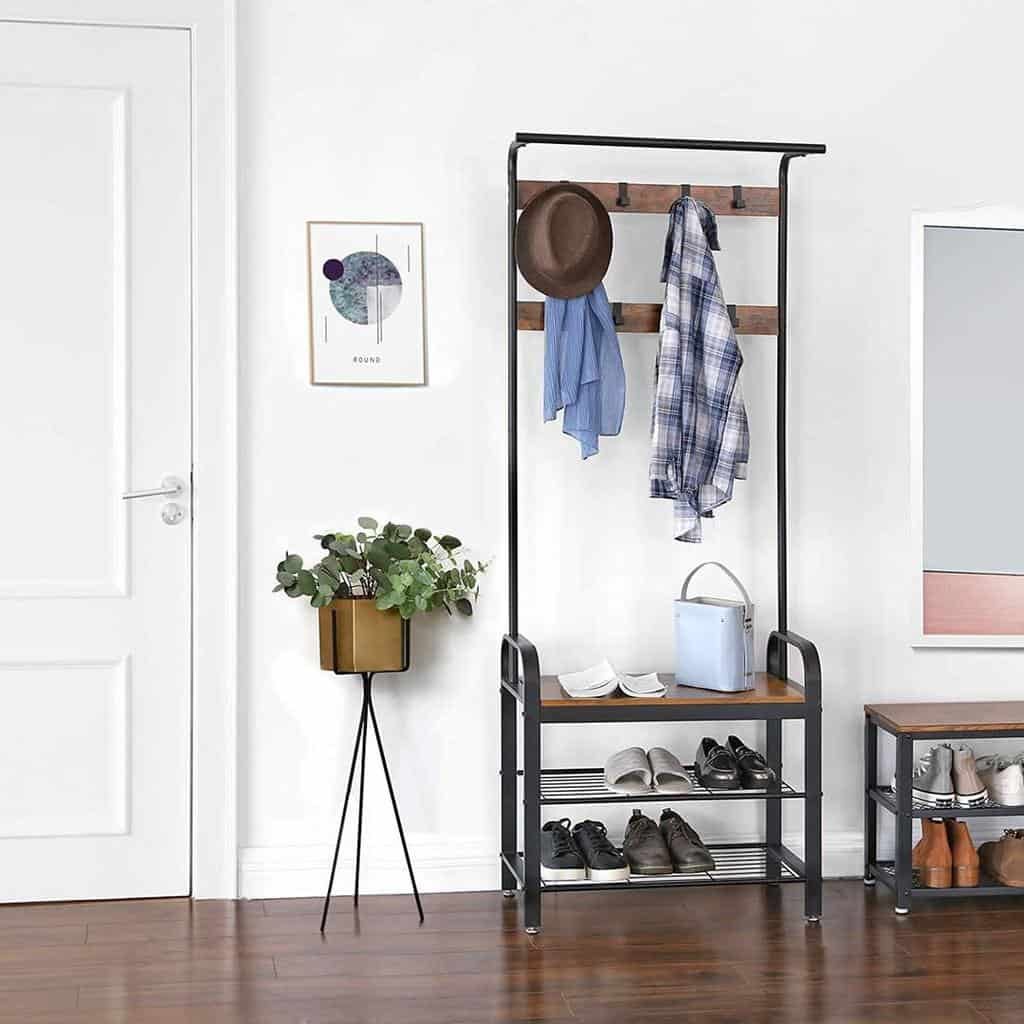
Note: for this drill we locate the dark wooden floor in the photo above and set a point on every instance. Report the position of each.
(740, 954)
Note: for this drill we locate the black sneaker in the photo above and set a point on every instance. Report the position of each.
(644, 847)
(754, 770)
(560, 857)
(715, 766)
(689, 854)
(604, 862)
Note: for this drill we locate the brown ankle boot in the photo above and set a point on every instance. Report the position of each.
(1004, 860)
(919, 846)
(966, 865)
(934, 862)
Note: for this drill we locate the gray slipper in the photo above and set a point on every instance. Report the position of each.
(628, 772)
(667, 774)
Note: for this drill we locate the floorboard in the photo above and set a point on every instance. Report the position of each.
(694, 957)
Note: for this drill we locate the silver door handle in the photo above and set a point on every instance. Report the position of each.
(170, 487)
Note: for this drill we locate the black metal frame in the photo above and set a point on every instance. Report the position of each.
(520, 664)
(897, 874)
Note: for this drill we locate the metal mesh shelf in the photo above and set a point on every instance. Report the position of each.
(734, 865)
(885, 796)
(586, 786)
(885, 872)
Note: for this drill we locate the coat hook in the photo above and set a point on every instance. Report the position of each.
(738, 202)
(733, 317)
(684, 191)
(617, 314)
(623, 197)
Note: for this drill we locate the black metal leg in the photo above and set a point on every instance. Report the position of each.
(394, 806)
(870, 807)
(367, 681)
(344, 810)
(812, 813)
(509, 713)
(904, 822)
(531, 811)
(773, 808)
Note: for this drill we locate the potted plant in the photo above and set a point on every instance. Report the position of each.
(371, 583)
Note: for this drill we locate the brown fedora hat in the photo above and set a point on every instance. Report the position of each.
(564, 241)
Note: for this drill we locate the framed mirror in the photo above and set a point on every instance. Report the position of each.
(967, 423)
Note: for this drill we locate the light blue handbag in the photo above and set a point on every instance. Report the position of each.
(714, 639)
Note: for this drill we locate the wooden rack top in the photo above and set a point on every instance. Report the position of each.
(767, 690)
(645, 318)
(758, 201)
(950, 717)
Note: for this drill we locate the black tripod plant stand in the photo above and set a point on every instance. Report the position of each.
(367, 717)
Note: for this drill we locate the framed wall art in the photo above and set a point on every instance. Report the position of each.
(365, 302)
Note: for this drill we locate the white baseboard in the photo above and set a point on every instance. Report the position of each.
(442, 864)
(470, 863)
(446, 864)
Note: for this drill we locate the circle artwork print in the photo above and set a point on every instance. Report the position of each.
(365, 287)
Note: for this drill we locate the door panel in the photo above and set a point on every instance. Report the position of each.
(64, 268)
(70, 750)
(94, 590)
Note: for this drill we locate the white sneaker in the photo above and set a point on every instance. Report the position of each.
(1003, 778)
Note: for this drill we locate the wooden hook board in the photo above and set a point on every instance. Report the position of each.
(759, 202)
(645, 318)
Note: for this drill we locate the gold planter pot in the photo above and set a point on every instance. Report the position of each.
(356, 636)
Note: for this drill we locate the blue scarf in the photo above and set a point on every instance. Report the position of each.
(583, 372)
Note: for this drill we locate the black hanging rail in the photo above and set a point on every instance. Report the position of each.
(774, 699)
(639, 142)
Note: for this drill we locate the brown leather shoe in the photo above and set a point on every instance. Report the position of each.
(966, 865)
(1004, 860)
(934, 859)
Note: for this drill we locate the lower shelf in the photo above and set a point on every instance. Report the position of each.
(885, 872)
(735, 864)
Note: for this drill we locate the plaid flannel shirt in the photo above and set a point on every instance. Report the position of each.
(699, 434)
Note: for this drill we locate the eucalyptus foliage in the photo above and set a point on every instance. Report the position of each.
(411, 570)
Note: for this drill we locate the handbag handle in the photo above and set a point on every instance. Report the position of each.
(693, 572)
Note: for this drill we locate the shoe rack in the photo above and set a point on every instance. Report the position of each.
(933, 723)
(530, 700)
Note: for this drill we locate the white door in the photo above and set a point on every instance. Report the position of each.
(95, 341)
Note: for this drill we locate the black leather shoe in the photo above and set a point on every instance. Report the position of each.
(687, 849)
(754, 770)
(715, 766)
(644, 847)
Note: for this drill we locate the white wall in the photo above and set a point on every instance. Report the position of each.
(403, 111)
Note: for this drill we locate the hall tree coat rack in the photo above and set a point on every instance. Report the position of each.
(539, 700)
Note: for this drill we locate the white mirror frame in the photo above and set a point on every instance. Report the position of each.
(1007, 218)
